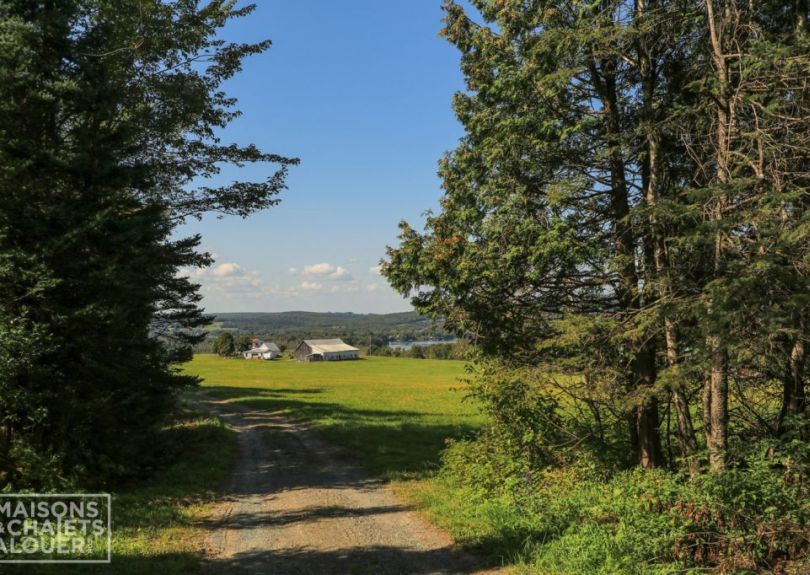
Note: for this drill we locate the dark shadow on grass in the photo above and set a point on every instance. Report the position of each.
(226, 392)
(377, 560)
(510, 545)
(278, 519)
(391, 444)
(163, 563)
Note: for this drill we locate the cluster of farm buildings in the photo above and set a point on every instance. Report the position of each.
(307, 350)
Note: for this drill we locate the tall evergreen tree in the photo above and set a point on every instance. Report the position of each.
(109, 114)
(628, 206)
(536, 249)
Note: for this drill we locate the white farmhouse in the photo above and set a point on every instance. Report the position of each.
(325, 350)
(262, 350)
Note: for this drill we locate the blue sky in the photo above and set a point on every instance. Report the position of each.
(361, 92)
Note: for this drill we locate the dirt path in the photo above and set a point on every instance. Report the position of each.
(294, 506)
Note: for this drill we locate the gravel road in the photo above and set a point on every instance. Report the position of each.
(295, 506)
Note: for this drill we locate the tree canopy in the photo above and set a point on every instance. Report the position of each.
(110, 114)
(625, 217)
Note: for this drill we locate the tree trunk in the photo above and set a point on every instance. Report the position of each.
(707, 408)
(794, 399)
(650, 453)
(717, 437)
(655, 248)
(687, 438)
(801, 14)
(717, 431)
(645, 435)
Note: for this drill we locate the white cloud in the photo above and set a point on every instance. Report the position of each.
(228, 269)
(231, 285)
(375, 271)
(350, 287)
(340, 274)
(322, 270)
(227, 279)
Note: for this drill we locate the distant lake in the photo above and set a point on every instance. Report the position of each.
(406, 345)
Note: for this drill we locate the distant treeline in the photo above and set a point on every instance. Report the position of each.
(288, 329)
(453, 350)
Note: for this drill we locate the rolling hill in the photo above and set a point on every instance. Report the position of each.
(357, 329)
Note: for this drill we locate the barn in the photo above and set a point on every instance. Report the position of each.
(325, 350)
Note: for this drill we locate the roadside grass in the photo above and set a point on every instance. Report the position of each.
(154, 528)
(570, 527)
(393, 414)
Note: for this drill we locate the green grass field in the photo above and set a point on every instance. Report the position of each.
(393, 414)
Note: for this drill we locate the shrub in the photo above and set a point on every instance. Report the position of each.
(584, 517)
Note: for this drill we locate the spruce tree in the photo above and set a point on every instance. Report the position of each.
(109, 113)
(628, 208)
(536, 248)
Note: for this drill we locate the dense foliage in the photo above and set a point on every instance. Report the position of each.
(623, 232)
(578, 519)
(459, 349)
(108, 120)
(224, 345)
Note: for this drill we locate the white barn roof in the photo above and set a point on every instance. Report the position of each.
(264, 348)
(328, 345)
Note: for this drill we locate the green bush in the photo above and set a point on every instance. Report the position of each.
(584, 518)
(523, 492)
